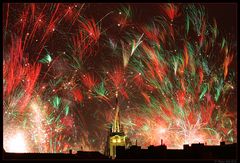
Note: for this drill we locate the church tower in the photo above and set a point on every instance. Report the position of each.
(116, 135)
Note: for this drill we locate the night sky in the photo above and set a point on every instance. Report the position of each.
(173, 66)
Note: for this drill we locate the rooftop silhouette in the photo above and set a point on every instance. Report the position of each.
(88, 155)
(195, 151)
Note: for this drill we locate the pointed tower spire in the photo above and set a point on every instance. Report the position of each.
(117, 136)
(116, 124)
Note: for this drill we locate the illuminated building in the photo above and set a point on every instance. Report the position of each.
(116, 136)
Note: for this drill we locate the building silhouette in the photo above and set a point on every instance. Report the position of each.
(80, 155)
(195, 151)
(116, 136)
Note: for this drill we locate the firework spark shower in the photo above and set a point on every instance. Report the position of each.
(173, 66)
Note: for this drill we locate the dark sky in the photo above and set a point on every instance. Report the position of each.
(225, 13)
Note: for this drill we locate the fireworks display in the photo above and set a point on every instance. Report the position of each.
(174, 70)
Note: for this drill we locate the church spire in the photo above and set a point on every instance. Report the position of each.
(116, 124)
(116, 136)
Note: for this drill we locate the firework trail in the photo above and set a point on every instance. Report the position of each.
(62, 68)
